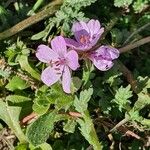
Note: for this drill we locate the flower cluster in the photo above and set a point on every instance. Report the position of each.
(63, 57)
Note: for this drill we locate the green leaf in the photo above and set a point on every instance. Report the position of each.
(122, 3)
(40, 109)
(21, 147)
(38, 35)
(134, 115)
(38, 132)
(10, 115)
(112, 77)
(70, 126)
(76, 84)
(139, 5)
(81, 104)
(44, 146)
(143, 84)
(23, 61)
(146, 122)
(62, 100)
(87, 69)
(4, 73)
(88, 131)
(80, 3)
(55, 95)
(16, 83)
(143, 100)
(17, 98)
(117, 36)
(122, 97)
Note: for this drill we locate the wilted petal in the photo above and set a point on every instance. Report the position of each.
(66, 80)
(51, 75)
(72, 59)
(45, 54)
(78, 26)
(59, 45)
(103, 65)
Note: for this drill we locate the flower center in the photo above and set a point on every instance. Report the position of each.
(58, 63)
(84, 39)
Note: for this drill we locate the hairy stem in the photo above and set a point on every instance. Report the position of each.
(135, 44)
(136, 32)
(48, 11)
(119, 124)
(128, 75)
(96, 144)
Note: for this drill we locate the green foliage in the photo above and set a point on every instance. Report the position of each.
(122, 3)
(14, 51)
(4, 73)
(139, 5)
(70, 126)
(69, 12)
(17, 98)
(87, 69)
(23, 61)
(112, 77)
(38, 132)
(122, 97)
(81, 103)
(142, 101)
(45, 97)
(16, 83)
(76, 84)
(79, 3)
(10, 115)
(86, 125)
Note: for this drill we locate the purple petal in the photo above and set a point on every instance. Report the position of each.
(77, 46)
(103, 65)
(101, 31)
(45, 54)
(66, 80)
(108, 52)
(78, 26)
(94, 27)
(72, 59)
(71, 43)
(95, 39)
(82, 37)
(59, 45)
(51, 75)
(113, 52)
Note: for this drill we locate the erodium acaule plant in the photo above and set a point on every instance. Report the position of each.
(62, 60)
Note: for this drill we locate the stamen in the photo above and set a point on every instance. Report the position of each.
(57, 68)
(84, 39)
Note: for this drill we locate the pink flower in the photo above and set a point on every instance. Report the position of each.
(86, 35)
(103, 57)
(60, 61)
